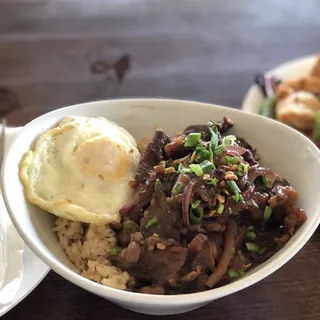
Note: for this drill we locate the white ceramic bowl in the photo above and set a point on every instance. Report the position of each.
(283, 149)
(290, 70)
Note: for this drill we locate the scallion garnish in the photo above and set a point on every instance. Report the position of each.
(196, 168)
(231, 160)
(115, 251)
(163, 164)
(243, 168)
(229, 140)
(252, 247)
(233, 186)
(151, 222)
(211, 181)
(250, 228)
(316, 128)
(235, 274)
(128, 223)
(267, 213)
(238, 197)
(159, 184)
(214, 140)
(177, 188)
(185, 170)
(220, 150)
(192, 139)
(266, 182)
(220, 208)
(251, 235)
(195, 204)
(180, 166)
(206, 166)
(202, 153)
(195, 215)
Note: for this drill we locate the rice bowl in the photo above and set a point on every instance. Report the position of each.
(36, 226)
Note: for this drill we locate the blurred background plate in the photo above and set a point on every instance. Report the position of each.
(289, 70)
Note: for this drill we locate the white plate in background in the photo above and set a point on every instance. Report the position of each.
(289, 70)
(34, 270)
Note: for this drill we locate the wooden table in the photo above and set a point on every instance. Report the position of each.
(188, 49)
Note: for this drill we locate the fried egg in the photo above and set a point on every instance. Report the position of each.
(80, 170)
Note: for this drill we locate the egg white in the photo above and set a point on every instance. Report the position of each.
(80, 170)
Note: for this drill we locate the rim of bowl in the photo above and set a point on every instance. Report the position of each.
(246, 106)
(162, 300)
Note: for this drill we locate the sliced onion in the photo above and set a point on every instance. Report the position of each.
(260, 171)
(186, 199)
(224, 260)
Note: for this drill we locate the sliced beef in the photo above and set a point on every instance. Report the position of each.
(141, 200)
(175, 148)
(159, 266)
(294, 218)
(124, 235)
(152, 156)
(153, 289)
(224, 125)
(203, 129)
(163, 216)
(132, 253)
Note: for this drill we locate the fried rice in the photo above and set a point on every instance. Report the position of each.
(88, 251)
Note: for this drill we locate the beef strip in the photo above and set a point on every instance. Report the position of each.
(153, 289)
(153, 155)
(164, 214)
(156, 266)
(141, 200)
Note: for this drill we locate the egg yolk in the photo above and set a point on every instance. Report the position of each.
(102, 158)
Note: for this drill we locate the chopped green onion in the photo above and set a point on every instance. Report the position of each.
(128, 223)
(316, 128)
(196, 169)
(220, 208)
(231, 160)
(243, 168)
(266, 182)
(163, 164)
(195, 215)
(233, 186)
(192, 139)
(151, 222)
(235, 274)
(159, 184)
(211, 181)
(206, 166)
(195, 204)
(251, 235)
(202, 153)
(267, 107)
(185, 170)
(262, 250)
(238, 197)
(214, 140)
(180, 166)
(177, 188)
(250, 228)
(241, 273)
(115, 251)
(267, 213)
(252, 247)
(229, 140)
(220, 150)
